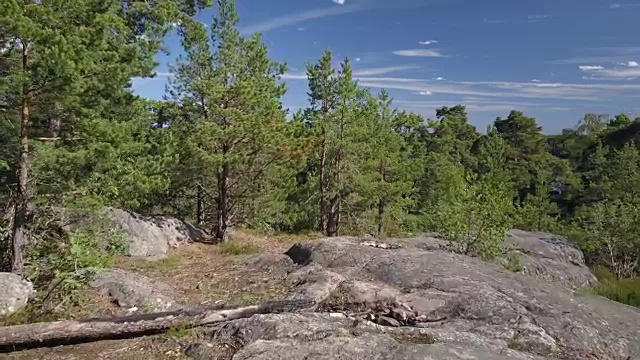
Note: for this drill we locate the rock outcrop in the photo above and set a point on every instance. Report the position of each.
(462, 308)
(135, 291)
(550, 257)
(153, 236)
(147, 237)
(14, 293)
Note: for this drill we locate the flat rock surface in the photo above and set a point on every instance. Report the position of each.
(467, 302)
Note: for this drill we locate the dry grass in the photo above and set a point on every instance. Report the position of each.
(201, 275)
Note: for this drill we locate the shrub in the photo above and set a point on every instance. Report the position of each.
(626, 291)
(60, 263)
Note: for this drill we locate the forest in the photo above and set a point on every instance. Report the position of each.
(222, 152)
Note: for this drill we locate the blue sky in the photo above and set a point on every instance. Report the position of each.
(554, 60)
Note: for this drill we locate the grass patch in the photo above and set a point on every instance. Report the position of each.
(626, 291)
(172, 261)
(513, 262)
(177, 332)
(234, 247)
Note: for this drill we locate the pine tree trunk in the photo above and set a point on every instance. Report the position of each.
(19, 231)
(222, 203)
(323, 195)
(333, 224)
(381, 202)
(199, 205)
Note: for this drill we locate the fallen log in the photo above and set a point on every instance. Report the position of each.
(68, 332)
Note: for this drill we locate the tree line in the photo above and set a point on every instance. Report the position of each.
(221, 151)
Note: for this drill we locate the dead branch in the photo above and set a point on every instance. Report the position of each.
(67, 332)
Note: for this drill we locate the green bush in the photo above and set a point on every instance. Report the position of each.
(626, 291)
(60, 263)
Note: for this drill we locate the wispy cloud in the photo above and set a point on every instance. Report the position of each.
(626, 73)
(629, 64)
(359, 73)
(427, 92)
(419, 52)
(590, 67)
(428, 42)
(622, 6)
(381, 70)
(499, 90)
(292, 19)
(164, 74)
(529, 19)
(339, 2)
(535, 80)
(602, 55)
(473, 104)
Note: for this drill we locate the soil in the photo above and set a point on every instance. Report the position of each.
(201, 274)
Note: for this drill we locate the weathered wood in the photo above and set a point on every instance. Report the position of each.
(47, 334)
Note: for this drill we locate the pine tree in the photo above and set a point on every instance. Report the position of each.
(65, 62)
(235, 128)
(323, 97)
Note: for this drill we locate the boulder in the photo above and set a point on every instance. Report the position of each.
(549, 257)
(15, 293)
(469, 306)
(131, 290)
(153, 236)
(147, 237)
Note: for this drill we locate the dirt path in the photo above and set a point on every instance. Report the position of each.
(201, 275)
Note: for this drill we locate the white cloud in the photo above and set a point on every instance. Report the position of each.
(539, 16)
(164, 74)
(419, 52)
(426, 92)
(601, 55)
(381, 70)
(503, 89)
(291, 19)
(530, 19)
(339, 2)
(618, 74)
(357, 59)
(428, 42)
(301, 29)
(630, 64)
(365, 73)
(439, 78)
(535, 80)
(590, 67)
(621, 6)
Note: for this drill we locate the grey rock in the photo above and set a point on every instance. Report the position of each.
(278, 265)
(15, 293)
(153, 236)
(550, 257)
(464, 300)
(327, 336)
(148, 237)
(131, 290)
